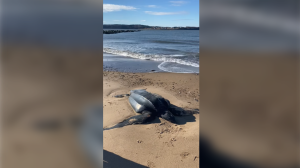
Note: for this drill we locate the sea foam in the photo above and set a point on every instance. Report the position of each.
(154, 57)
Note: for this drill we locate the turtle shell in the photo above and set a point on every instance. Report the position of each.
(141, 100)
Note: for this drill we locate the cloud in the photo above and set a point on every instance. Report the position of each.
(113, 8)
(178, 3)
(152, 6)
(165, 13)
(143, 20)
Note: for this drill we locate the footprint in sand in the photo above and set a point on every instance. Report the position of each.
(184, 155)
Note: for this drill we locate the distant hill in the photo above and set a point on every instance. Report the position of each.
(123, 26)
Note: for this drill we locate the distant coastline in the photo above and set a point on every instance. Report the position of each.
(146, 27)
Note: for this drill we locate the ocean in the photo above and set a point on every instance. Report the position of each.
(174, 51)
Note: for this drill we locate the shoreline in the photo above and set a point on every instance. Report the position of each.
(174, 51)
(113, 62)
(120, 63)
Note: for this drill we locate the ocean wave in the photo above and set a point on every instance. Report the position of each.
(176, 68)
(163, 58)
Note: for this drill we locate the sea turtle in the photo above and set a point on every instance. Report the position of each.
(149, 106)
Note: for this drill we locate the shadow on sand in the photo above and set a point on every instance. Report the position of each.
(185, 119)
(182, 116)
(111, 160)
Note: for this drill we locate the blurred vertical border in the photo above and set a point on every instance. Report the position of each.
(249, 83)
(51, 73)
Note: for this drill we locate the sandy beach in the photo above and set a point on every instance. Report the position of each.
(158, 144)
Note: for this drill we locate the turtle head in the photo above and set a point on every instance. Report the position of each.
(167, 115)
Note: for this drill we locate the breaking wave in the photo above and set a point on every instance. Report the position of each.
(177, 68)
(157, 57)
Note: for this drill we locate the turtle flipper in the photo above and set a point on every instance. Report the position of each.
(145, 117)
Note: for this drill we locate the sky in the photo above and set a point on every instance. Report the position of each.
(152, 13)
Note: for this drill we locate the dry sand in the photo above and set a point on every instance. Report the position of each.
(158, 144)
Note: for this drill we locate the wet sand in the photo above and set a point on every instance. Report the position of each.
(160, 143)
(119, 63)
(112, 62)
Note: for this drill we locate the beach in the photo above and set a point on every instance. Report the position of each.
(45, 92)
(130, 63)
(158, 144)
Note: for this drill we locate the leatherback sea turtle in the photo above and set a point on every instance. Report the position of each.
(149, 106)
